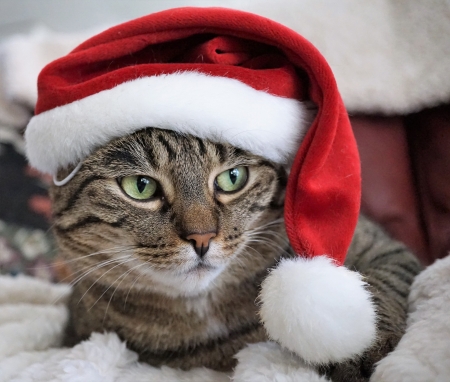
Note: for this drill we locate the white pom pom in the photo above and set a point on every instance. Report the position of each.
(318, 310)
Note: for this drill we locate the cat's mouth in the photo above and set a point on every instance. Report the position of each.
(202, 266)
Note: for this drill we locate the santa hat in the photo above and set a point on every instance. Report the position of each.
(233, 77)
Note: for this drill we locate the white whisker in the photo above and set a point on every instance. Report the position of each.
(91, 268)
(123, 276)
(107, 250)
(98, 279)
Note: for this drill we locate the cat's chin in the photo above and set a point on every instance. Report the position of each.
(193, 281)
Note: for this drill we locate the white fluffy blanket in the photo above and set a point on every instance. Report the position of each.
(388, 56)
(33, 315)
(423, 353)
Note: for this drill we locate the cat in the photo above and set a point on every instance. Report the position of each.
(168, 238)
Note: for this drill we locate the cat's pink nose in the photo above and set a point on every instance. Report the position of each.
(201, 242)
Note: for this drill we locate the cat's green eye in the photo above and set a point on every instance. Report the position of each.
(232, 180)
(139, 187)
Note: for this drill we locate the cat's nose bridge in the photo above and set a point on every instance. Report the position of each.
(201, 241)
(196, 219)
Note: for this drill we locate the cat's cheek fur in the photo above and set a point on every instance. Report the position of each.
(318, 310)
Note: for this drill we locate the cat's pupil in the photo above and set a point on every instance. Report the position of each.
(234, 173)
(142, 183)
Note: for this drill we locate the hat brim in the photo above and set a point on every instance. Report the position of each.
(216, 108)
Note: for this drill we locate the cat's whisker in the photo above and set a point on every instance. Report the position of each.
(90, 269)
(99, 278)
(247, 246)
(134, 282)
(107, 250)
(265, 228)
(264, 236)
(261, 227)
(279, 235)
(50, 228)
(147, 264)
(240, 262)
(72, 283)
(265, 241)
(122, 276)
(276, 235)
(269, 243)
(114, 250)
(272, 236)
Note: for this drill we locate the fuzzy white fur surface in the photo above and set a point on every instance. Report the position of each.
(423, 353)
(33, 316)
(104, 357)
(318, 310)
(22, 57)
(215, 108)
(388, 56)
(268, 362)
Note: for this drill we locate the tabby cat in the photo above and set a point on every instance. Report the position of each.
(169, 237)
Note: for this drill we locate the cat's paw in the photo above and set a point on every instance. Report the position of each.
(361, 368)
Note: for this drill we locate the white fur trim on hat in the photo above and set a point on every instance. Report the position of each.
(216, 108)
(318, 310)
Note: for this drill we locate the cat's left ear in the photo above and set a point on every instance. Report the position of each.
(318, 310)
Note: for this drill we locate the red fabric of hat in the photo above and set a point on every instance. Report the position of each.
(230, 76)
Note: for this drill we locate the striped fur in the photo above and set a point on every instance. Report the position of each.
(134, 274)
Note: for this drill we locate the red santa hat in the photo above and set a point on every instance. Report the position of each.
(233, 77)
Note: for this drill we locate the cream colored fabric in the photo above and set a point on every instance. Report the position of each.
(423, 353)
(388, 56)
(33, 315)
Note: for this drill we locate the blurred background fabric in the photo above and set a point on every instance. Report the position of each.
(391, 60)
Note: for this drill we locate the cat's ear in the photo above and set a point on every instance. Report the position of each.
(318, 310)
